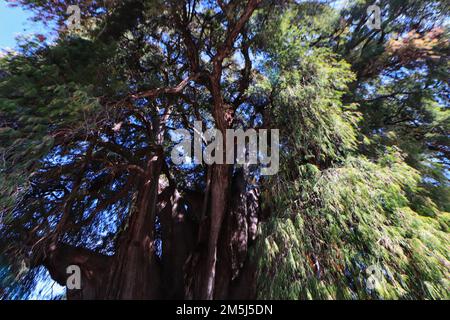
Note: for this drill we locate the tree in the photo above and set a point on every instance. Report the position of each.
(87, 130)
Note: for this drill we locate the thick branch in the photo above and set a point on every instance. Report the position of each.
(154, 93)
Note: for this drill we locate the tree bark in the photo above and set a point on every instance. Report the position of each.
(135, 272)
(219, 196)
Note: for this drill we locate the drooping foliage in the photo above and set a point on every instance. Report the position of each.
(335, 213)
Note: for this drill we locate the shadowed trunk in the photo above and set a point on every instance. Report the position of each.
(234, 270)
(135, 271)
(219, 197)
(178, 237)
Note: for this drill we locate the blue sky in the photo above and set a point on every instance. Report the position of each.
(15, 21)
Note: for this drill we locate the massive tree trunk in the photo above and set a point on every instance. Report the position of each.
(178, 238)
(135, 273)
(235, 271)
(219, 196)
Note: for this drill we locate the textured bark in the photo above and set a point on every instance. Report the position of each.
(219, 196)
(178, 238)
(233, 269)
(135, 272)
(236, 237)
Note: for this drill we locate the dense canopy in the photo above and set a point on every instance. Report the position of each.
(87, 130)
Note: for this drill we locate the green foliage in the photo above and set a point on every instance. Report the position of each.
(334, 211)
(43, 92)
(329, 226)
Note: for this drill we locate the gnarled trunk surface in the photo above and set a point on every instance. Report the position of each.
(136, 271)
